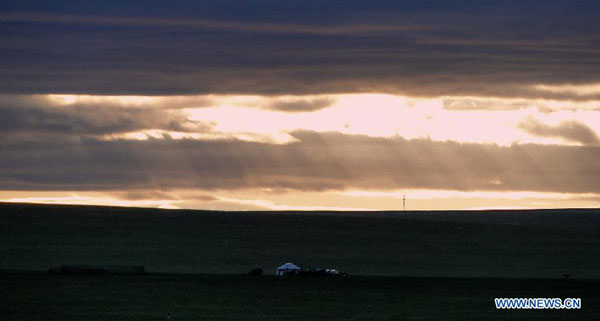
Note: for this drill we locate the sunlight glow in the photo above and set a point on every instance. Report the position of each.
(442, 194)
(269, 138)
(272, 206)
(131, 101)
(277, 119)
(488, 120)
(76, 199)
(588, 89)
(381, 115)
(351, 200)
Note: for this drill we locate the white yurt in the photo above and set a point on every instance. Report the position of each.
(286, 269)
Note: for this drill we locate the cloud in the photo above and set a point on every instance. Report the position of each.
(205, 24)
(271, 47)
(493, 104)
(569, 130)
(300, 105)
(35, 115)
(144, 195)
(316, 162)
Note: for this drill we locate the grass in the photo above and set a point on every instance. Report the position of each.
(506, 244)
(38, 296)
(458, 262)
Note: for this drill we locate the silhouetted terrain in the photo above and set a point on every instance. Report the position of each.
(227, 297)
(544, 243)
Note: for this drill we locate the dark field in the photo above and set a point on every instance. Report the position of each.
(445, 265)
(222, 297)
(506, 244)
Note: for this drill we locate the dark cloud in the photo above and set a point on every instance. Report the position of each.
(144, 195)
(27, 115)
(498, 48)
(138, 195)
(300, 105)
(316, 162)
(420, 48)
(570, 130)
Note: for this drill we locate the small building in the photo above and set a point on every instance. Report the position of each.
(287, 269)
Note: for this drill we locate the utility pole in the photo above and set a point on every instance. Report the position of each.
(404, 202)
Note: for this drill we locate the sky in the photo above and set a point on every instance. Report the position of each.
(301, 105)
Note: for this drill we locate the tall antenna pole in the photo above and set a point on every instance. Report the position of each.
(404, 202)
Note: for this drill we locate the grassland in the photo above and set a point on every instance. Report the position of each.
(512, 244)
(414, 265)
(228, 297)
